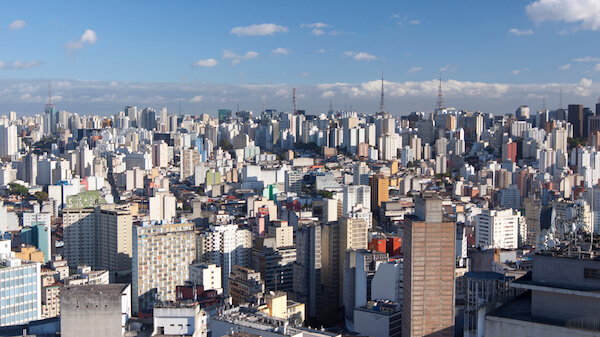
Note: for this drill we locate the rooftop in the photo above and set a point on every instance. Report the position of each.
(99, 289)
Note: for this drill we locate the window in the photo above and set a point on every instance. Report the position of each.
(590, 273)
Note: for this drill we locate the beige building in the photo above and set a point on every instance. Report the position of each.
(162, 254)
(207, 275)
(283, 234)
(245, 286)
(189, 159)
(278, 305)
(429, 258)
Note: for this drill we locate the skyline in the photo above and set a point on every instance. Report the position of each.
(492, 57)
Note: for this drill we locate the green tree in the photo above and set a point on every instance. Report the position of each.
(18, 189)
(225, 144)
(41, 196)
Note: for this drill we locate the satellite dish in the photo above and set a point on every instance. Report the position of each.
(544, 232)
(551, 244)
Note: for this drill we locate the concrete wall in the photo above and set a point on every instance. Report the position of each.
(501, 327)
(563, 306)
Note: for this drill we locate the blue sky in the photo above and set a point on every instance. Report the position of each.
(493, 55)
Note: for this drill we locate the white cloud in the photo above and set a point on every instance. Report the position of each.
(228, 54)
(196, 99)
(587, 59)
(205, 63)
(317, 32)
(361, 56)
(281, 51)
(414, 22)
(518, 32)
(17, 24)
(415, 69)
(516, 71)
(88, 37)
(304, 74)
(585, 11)
(259, 30)
(564, 67)
(314, 25)
(321, 51)
(20, 65)
(597, 67)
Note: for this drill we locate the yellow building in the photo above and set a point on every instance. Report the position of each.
(30, 253)
(277, 305)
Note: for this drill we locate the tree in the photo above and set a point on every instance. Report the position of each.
(18, 189)
(41, 196)
(225, 144)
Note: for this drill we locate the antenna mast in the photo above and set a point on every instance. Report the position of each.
(294, 103)
(49, 93)
(560, 106)
(382, 103)
(544, 103)
(440, 98)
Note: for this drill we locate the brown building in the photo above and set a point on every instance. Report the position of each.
(428, 249)
(380, 190)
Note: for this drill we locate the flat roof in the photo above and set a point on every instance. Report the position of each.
(98, 289)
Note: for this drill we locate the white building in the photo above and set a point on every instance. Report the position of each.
(179, 319)
(207, 275)
(162, 206)
(498, 228)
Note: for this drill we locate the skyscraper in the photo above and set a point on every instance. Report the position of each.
(576, 118)
(428, 250)
(162, 254)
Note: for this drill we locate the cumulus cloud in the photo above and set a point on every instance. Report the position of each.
(88, 37)
(317, 32)
(597, 67)
(259, 30)
(361, 56)
(196, 99)
(587, 12)
(205, 63)
(587, 59)
(518, 32)
(236, 58)
(281, 51)
(17, 24)
(518, 71)
(564, 67)
(415, 69)
(19, 65)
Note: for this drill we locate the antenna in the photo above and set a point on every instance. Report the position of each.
(179, 106)
(382, 103)
(264, 103)
(49, 93)
(440, 98)
(330, 105)
(294, 103)
(560, 106)
(544, 103)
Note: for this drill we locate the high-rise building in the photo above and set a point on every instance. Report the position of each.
(308, 268)
(189, 159)
(8, 140)
(360, 174)
(207, 275)
(380, 190)
(21, 289)
(429, 258)
(162, 254)
(246, 285)
(498, 228)
(98, 237)
(576, 119)
(162, 206)
(160, 154)
(225, 246)
(356, 196)
(38, 235)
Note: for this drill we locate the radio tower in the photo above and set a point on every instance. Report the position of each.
(560, 100)
(544, 103)
(382, 103)
(294, 103)
(440, 98)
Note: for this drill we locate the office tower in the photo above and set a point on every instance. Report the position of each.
(161, 206)
(98, 237)
(160, 154)
(246, 286)
(576, 119)
(189, 159)
(132, 113)
(28, 169)
(559, 139)
(360, 174)
(224, 114)
(337, 238)
(50, 117)
(522, 113)
(8, 140)
(39, 236)
(225, 246)
(389, 145)
(21, 289)
(293, 182)
(148, 119)
(359, 269)
(429, 258)
(380, 193)
(162, 254)
(85, 157)
(274, 255)
(308, 268)
(356, 198)
(498, 228)
(95, 310)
